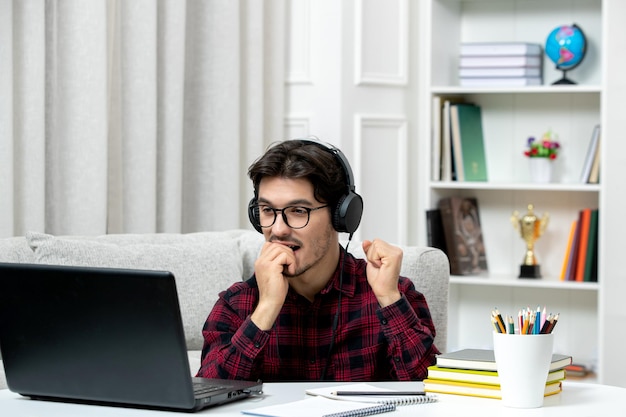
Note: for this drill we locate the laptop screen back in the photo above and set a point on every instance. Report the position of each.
(94, 334)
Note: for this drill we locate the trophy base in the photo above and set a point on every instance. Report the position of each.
(529, 271)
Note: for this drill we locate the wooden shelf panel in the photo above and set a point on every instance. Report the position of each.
(525, 283)
(542, 89)
(552, 187)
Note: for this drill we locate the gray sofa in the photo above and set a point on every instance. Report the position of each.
(204, 264)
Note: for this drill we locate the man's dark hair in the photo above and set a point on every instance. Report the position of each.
(296, 159)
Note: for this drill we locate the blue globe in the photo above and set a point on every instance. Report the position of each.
(566, 47)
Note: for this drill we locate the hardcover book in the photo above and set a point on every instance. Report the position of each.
(463, 234)
(500, 72)
(496, 61)
(500, 81)
(477, 390)
(585, 221)
(591, 263)
(484, 359)
(468, 143)
(435, 236)
(500, 49)
(592, 150)
(480, 377)
(448, 168)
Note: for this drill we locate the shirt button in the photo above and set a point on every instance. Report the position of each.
(257, 345)
(397, 359)
(383, 321)
(312, 361)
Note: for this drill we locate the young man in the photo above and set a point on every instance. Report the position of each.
(311, 311)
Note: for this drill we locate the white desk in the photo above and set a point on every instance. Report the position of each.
(577, 399)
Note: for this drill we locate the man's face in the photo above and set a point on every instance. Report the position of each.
(310, 244)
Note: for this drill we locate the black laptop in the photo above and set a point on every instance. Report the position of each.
(101, 335)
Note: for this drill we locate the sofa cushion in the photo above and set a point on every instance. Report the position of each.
(203, 264)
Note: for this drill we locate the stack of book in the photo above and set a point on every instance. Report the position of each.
(473, 372)
(509, 64)
(458, 144)
(580, 262)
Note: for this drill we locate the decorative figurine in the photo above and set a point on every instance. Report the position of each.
(531, 228)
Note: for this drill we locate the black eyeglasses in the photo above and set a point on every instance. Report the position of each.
(295, 217)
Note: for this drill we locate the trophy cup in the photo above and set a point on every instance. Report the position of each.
(531, 228)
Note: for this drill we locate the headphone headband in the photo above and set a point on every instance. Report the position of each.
(346, 217)
(339, 156)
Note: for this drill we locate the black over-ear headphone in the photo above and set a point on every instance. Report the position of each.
(346, 216)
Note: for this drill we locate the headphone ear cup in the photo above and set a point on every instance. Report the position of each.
(347, 215)
(253, 215)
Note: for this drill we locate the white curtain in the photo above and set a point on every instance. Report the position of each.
(135, 116)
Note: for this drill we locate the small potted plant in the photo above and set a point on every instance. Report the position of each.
(541, 153)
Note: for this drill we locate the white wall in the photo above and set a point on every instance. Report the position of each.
(349, 83)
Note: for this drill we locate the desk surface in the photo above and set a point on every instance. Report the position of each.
(577, 399)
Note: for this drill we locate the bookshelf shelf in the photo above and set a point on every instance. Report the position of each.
(509, 117)
(545, 89)
(454, 185)
(524, 283)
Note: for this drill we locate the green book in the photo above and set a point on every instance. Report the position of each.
(468, 136)
(591, 264)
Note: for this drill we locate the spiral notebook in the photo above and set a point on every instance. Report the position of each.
(329, 392)
(320, 406)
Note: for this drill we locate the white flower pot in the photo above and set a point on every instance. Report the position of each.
(540, 169)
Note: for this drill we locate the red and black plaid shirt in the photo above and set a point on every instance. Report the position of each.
(371, 343)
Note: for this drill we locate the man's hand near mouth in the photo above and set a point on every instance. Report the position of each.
(276, 262)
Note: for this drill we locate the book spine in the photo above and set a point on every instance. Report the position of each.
(500, 81)
(446, 143)
(571, 267)
(500, 48)
(594, 175)
(471, 140)
(592, 248)
(590, 156)
(457, 150)
(434, 229)
(500, 72)
(436, 139)
(447, 220)
(582, 247)
(499, 61)
(568, 251)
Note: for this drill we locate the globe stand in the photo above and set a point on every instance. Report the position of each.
(564, 80)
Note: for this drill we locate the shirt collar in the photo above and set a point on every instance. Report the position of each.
(348, 286)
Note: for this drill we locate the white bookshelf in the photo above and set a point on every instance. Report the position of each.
(510, 116)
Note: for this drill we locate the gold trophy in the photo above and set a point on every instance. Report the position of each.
(531, 228)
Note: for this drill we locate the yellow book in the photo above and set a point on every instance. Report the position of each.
(568, 250)
(441, 386)
(478, 376)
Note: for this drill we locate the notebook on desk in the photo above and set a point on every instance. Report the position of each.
(100, 335)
